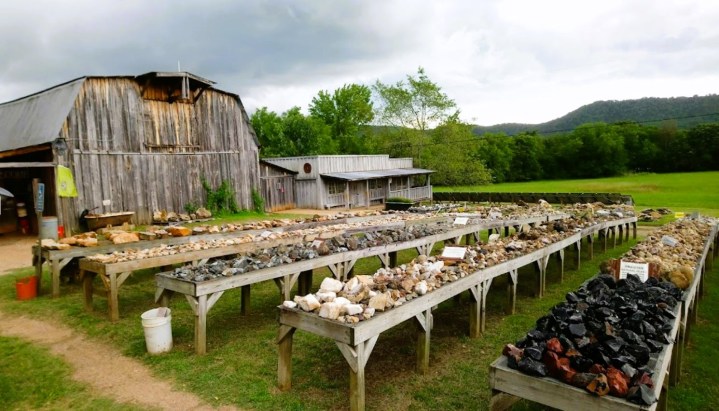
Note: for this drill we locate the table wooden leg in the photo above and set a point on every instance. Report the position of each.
(512, 292)
(475, 311)
(201, 325)
(55, 264)
(424, 328)
(578, 244)
(38, 268)
(284, 362)
(87, 288)
(357, 357)
(245, 300)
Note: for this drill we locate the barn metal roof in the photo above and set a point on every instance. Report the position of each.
(369, 175)
(37, 119)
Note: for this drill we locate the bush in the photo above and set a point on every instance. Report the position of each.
(222, 200)
(258, 202)
(400, 200)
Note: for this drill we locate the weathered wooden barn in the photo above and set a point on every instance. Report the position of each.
(142, 142)
(354, 180)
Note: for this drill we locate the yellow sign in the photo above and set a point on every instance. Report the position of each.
(679, 215)
(65, 182)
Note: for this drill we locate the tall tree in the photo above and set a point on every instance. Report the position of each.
(309, 135)
(269, 128)
(417, 103)
(345, 111)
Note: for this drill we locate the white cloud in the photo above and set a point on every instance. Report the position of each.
(502, 61)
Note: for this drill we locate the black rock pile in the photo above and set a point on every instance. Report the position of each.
(602, 337)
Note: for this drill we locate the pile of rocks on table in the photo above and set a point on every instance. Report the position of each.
(289, 253)
(675, 248)
(601, 338)
(651, 214)
(360, 297)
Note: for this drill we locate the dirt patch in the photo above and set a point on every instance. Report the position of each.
(15, 252)
(102, 367)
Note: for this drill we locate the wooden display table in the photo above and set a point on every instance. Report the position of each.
(509, 385)
(356, 341)
(57, 259)
(203, 295)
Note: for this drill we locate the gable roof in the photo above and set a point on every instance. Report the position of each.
(37, 118)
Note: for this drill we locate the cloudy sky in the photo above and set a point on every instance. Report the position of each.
(500, 60)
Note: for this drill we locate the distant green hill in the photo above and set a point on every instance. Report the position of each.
(688, 112)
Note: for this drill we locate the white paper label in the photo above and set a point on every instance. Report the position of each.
(641, 270)
(454, 253)
(669, 241)
(266, 234)
(461, 220)
(316, 243)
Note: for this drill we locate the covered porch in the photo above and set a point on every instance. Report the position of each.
(365, 188)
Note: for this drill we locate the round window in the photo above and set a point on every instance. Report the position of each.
(307, 167)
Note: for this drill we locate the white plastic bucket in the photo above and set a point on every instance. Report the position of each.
(158, 330)
(48, 228)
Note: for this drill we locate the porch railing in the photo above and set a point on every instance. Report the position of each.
(414, 193)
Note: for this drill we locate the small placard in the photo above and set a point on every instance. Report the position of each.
(679, 214)
(316, 243)
(40, 200)
(454, 253)
(265, 234)
(461, 220)
(641, 270)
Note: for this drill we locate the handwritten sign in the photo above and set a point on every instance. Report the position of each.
(265, 234)
(316, 243)
(669, 241)
(641, 270)
(461, 220)
(454, 253)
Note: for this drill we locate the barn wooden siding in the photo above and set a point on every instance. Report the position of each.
(278, 187)
(148, 155)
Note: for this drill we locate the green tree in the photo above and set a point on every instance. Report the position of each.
(308, 134)
(703, 144)
(525, 160)
(452, 165)
(417, 103)
(269, 128)
(496, 151)
(345, 112)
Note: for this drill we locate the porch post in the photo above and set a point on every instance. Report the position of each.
(429, 186)
(366, 193)
(347, 194)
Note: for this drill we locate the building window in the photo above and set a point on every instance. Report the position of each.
(335, 187)
(375, 184)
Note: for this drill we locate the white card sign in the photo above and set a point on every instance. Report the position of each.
(316, 243)
(454, 253)
(641, 270)
(461, 220)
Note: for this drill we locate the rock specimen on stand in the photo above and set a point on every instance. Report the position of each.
(602, 337)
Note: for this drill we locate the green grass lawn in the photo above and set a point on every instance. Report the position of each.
(32, 378)
(240, 367)
(678, 191)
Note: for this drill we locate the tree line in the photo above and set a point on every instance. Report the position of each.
(414, 118)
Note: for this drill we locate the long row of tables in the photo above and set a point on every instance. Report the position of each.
(203, 295)
(356, 341)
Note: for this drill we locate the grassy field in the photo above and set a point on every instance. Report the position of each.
(678, 191)
(240, 367)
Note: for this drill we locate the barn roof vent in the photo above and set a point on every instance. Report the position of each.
(179, 86)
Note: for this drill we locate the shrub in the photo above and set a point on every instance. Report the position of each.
(258, 202)
(220, 200)
(400, 200)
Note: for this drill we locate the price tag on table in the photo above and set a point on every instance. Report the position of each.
(316, 243)
(454, 253)
(461, 220)
(641, 270)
